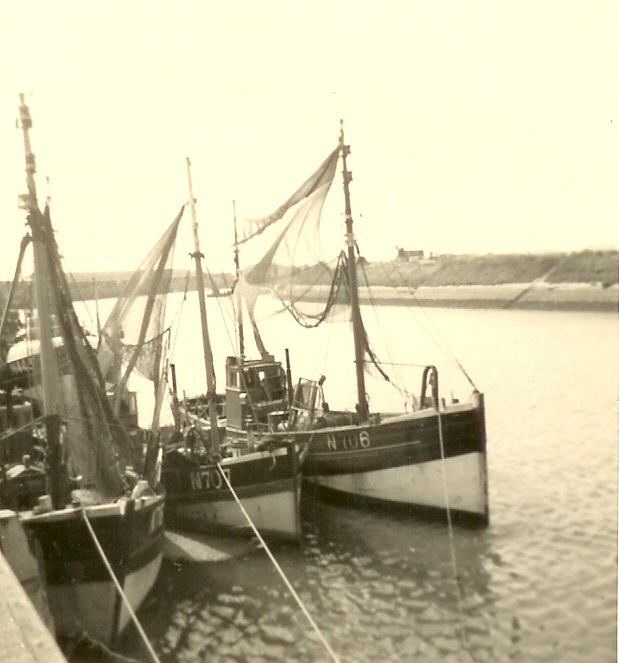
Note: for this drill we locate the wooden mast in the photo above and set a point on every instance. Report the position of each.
(357, 324)
(49, 377)
(206, 343)
(96, 297)
(238, 269)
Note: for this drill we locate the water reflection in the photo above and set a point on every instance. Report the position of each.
(540, 584)
(379, 586)
(399, 573)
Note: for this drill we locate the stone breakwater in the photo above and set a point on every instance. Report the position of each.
(541, 296)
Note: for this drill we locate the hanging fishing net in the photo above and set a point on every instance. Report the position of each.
(134, 338)
(283, 255)
(97, 445)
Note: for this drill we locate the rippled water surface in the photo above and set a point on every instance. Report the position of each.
(538, 585)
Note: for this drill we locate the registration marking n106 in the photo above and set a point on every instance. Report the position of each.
(348, 441)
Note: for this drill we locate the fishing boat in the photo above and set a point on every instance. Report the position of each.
(214, 484)
(431, 455)
(217, 291)
(80, 478)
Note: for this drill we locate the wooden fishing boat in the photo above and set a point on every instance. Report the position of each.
(216, 291)
(82, 482)
(213, 483)
(432, 456)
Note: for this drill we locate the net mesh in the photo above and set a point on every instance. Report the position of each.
(97, 445)
(284, 255)
(134, 335)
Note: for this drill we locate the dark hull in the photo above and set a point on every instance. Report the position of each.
(266, 483)
(399, 460)
(81, 595)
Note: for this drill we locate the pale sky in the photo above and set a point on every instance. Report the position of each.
(476, 127)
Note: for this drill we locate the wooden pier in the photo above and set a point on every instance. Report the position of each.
(24, 636)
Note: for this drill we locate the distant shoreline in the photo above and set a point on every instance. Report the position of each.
(543, 297)
(581, 281)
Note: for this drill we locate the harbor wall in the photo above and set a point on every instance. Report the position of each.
(25, 619)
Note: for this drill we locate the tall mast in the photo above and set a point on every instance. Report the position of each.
(206, 343)
(357, 324)
(49, 376)
(238, 269)
(96, 296)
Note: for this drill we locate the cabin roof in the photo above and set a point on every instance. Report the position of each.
(256, 363)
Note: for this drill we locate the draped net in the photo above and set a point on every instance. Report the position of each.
(283, 255)
(134, 337)
(97, 445)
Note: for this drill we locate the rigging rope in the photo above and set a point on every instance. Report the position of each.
(178, 315)
(225, 320)
(12, 431)
(410, 289)
(188, 346)
(325, 342)
(403, 391)
(85, 420)
(80, 296)
(537, 281)
(291, 589)
(124, 598)
(445, 347)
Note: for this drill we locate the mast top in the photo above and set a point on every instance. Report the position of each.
(27, 201)
(344, 148)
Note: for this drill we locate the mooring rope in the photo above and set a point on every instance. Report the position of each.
(119, 588)
(454, 563)
(291, 589)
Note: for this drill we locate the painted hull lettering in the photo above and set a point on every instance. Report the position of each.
(349, 441)
(209, 479)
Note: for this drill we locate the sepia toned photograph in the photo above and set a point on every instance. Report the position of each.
(309, 345)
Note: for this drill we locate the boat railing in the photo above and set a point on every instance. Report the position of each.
(429, 380)
(304, 402)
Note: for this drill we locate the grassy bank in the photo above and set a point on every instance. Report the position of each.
(585, 267)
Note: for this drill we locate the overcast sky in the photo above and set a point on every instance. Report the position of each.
(479, 126)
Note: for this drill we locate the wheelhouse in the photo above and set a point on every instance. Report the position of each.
(255, 389)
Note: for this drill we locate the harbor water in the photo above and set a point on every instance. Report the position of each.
(538, 585)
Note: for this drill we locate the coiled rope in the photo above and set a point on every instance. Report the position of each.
(291, 589)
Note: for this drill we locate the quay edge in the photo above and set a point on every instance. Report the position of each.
(24, 635)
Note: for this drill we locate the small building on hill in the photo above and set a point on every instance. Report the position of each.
(409, 256)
